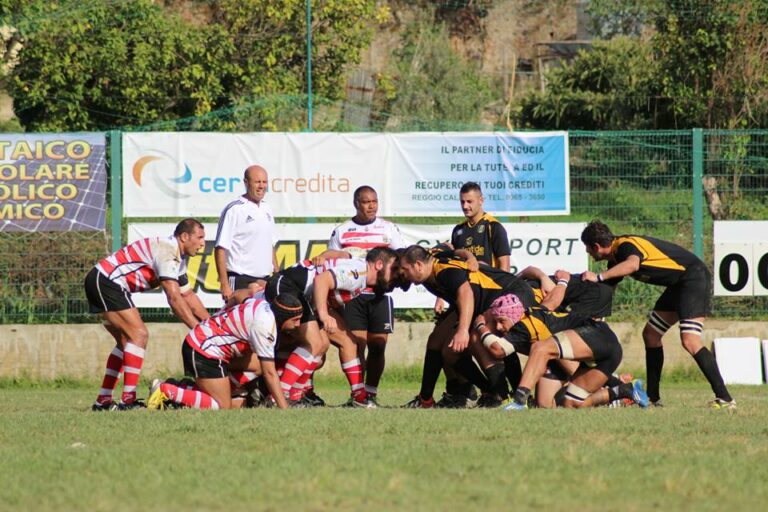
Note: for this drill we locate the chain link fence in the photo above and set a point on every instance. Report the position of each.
(636, 182)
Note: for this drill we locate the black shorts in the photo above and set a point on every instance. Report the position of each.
(370, 312)
(104, 295)
(241, 281)
(555, 371)
(587, 299)
(279, 284)
(605, 346)
(691, 297)
(197, 366)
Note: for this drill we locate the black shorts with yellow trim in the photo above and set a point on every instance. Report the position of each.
(370, 312)
(104, 295)
(605, 346)
(198, 366)
(691, 296)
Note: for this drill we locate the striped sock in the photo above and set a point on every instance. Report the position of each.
(240, 378)
(111, 375)
(354, 372)
(133, 358)
(189, 397)
(298, 389)
(299, 361)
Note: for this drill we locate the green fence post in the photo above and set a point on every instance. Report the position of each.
(309, 65)
(698, 192)
(116, 186)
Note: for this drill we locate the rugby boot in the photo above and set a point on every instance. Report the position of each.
(719, 403)
(639, 396)
(420, 403)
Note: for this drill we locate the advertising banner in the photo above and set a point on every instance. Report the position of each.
(549, 246)
(52, 182)
(741, 258)
(314, 174)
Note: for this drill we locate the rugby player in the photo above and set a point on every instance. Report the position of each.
(337, 281)
(138, 267)
(686, 298)
(471, 292)
(369, 316)
(486, 239)
(532, 331)
(239, 332)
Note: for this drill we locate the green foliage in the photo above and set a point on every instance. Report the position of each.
(434, 87)
(98, 64)
(713, 62)
(607, 88)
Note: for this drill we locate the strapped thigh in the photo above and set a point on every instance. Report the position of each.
(691, 327)
(658, 324)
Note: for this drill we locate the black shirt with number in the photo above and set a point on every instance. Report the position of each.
(486, 239)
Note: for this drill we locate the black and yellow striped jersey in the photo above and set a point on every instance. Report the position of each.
(661, 263)
(487, 283)
(486, 239)
(539, 324)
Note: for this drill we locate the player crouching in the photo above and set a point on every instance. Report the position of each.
(533, 332)
(237, 332)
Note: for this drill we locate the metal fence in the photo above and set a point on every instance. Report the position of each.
(668, 184)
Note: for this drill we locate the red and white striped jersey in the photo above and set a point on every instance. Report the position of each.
(141, 265)
(358, 239)
(232, 332)
(349, 276)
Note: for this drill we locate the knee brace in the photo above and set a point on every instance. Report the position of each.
(658, 324)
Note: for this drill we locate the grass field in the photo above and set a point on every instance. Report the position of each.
(57, 455)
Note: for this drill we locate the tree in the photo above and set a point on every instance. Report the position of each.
(609, 87)
(432, 87)
(96, 65)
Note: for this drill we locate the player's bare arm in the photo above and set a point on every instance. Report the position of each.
(625, 268)
(555, 297)
(329, 254)
(323, 284)
(271, 379)
(220, 257)
(196, 305)
(465, 305)
(177, 303)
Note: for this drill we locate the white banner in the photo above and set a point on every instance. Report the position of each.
(741, 258)
(550, 246)
(314, 174)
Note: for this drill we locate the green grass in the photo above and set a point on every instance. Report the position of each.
(57, 455)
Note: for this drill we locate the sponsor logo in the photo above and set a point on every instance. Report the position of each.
(480, 229)
(249, 219)
(163, 171)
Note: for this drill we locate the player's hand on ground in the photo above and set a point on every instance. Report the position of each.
(459, 341)
(589, 276)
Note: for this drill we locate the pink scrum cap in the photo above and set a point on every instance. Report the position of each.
(509, 306)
